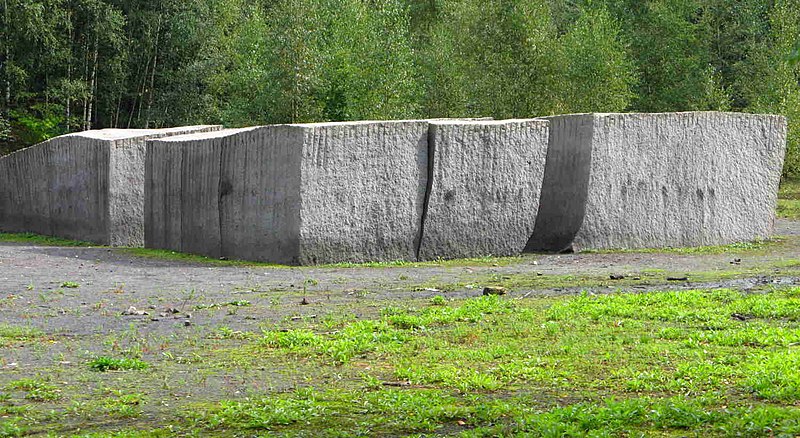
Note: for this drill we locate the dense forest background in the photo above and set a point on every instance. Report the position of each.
(70, 65)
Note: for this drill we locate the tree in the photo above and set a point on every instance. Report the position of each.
(672, 51)
(770, 83)
(356, 63)
(491, 58)
(599, 76)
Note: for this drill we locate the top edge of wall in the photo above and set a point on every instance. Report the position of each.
(122, 134)
(378, 122)
(673, 113)
(113, 134)
(486, 121)
(204, 135)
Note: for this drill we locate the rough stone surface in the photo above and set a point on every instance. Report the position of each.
(363, 190)
(657, 180)
(182, 173)
(484, 187)
(301, 194)
(86, 186)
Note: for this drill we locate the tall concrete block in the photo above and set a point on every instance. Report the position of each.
(259, 192)
(362, 190)
(301, 194)
(85, 186)
(485, 178)
(658, 180)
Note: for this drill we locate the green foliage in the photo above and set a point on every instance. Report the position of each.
(5, 129)
(501, 70)
(599, 77)
(672, 48)
(73, 65)
(39, 123)
(355, 64)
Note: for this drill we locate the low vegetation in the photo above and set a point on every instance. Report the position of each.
(789, 199)
(700, 362)
(105, 363)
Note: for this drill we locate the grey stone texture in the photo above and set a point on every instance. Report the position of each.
(298, 194)
(659, 180)
(485, 178)
(85, 186)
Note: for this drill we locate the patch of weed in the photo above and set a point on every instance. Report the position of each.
(237, 303)
(36, 389)
(105, 363)
(11, 334)
(37, 239)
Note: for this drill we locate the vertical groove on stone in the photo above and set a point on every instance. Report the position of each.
(226, 143)
(172, 193)
(150, 175)
(428, 187)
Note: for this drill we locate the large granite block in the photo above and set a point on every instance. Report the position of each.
(484, 187)
(301, 194)
(86, 186)
(659, 180)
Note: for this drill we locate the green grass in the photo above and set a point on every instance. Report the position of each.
(105, 363)
(38, 390)
(430, 411)
(716, 362)
(651, 278)
(789, 209)
(178, 256)
(758, 246)
(37, 239)
(12, 334)
(162, 254)
(790, 189)
(708, 362)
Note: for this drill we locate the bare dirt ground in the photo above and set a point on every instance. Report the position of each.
(110, 281)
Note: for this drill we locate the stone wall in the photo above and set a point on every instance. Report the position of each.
(406, 190)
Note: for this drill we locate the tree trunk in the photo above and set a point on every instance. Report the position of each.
(93, 85)
(6, 57)
(85, 80)
(69, 71)
(141, 91)
(153, 74)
